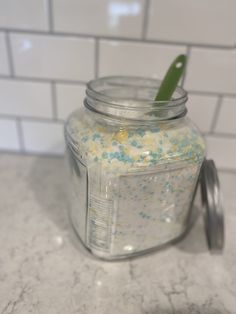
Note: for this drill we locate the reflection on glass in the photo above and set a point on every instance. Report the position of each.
(128, 248)
(99, 283)
(58, 240)
(25, 45)
(118, 9)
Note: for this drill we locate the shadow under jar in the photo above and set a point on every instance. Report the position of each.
(134, 163)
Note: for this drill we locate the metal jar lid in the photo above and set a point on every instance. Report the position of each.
(212, 203)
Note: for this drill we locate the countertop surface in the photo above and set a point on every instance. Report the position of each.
(44, 269)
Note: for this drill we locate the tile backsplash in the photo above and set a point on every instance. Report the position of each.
(24, 14)
(52, 57)
(209, 22)
(138, 59)
(49, 49)
(123, 18)
(18, 98)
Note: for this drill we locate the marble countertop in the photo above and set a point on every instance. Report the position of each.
(45, 270)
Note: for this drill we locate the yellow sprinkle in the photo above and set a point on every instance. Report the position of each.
(147, 159)
(121, 136)
(101, 129)
(135, 157)
(93, 148)
(149, 142)
(126, 151)
(174, 149)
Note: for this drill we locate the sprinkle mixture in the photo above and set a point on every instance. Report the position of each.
(141, 181)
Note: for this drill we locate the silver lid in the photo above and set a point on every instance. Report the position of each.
(212, 202)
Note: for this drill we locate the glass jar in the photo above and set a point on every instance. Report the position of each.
(135, 165)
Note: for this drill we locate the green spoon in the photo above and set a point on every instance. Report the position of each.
(171, 79)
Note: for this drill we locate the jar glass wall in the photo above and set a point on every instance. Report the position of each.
(135, 165)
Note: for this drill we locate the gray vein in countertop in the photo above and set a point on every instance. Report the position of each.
(131, 270)
(12, 305)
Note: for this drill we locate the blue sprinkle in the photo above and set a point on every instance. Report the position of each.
(140, 132)
(174, 141)
(96, 136)
(154, 155)
(185, 143)
(105, 155)
(117, 154)
(134, 143)
(155, 130)
(84, 138)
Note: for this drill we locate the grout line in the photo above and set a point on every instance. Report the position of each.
(10, 56)
(6, 76)
(30, 118)
(97, 54)
(31, 154)
(20, 133)
(54, 101)
(216, 114)
(145, 19)
(221, 135)
(188, 53)
(227, 170)
(118, 38)
(82, 83)
(43, 120)
(42, 80)
(208, 93)
(50, 16)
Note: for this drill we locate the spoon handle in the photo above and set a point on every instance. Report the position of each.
(171, 79)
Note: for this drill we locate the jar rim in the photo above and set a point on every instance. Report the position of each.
(93, 90)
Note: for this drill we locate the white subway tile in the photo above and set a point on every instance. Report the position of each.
(226, 120)
(104, 17)
(53, 57)
(4, 63)
(222, 150)
(129, 58)
(206, 22)
(24, 14)
(69, 98)
(25, 98)
(201, 110)
(43, 137)
(212, 70)
(8, 135)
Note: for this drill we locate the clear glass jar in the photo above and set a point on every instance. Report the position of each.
(135, 165)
